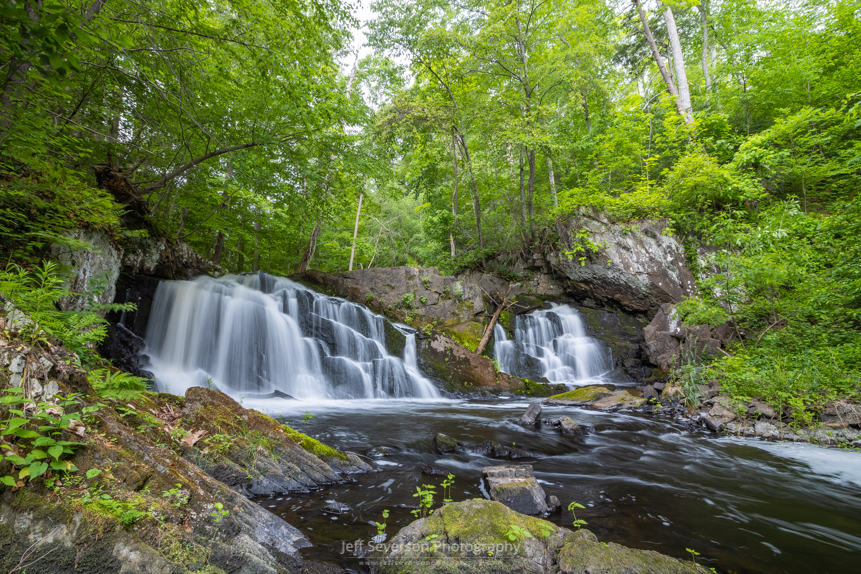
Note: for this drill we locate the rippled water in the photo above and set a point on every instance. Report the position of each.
(747, 506)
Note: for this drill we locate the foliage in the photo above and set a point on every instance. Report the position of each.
(577, 522)
(117, 385)
(516, 533)
(425, 494)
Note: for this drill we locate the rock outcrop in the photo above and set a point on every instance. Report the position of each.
(667, 339)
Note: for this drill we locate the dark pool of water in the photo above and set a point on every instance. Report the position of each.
(646, 482)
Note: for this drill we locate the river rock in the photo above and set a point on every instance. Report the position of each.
(584, 556)
(761, 409)
(722, 409)
(568, 427)
(432, 470)
(380, 452)
(515, 487)
(841, 414)
(619, 399)
(531, 415)
(712, 424)
(444, 443)
(651, 394)
(580, 397)
(337, 508)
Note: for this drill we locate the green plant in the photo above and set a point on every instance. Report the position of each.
(433, 542)
(693, 554)
(369, 297)
(178, 434)
(426, 282)
(33, 448)
(118, 385)
(176, 496)
(218, 444)
(577, 522)
(425, 494)
(516, 533)
(408, 300)
(219, 513)
(381, 528)
(446, 488)
(305, 418)
(581, 246)
(424, 300)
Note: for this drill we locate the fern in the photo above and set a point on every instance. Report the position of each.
(119, 385)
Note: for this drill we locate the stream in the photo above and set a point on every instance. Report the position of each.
(747, 506)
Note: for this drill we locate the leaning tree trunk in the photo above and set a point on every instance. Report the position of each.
(356, 227)
(309, 250)
(679, 64)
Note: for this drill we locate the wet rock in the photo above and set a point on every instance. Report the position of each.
(761, 409)
(712, 424)
(672, 393)
(619, 399)
(651, 394)
(432, 470)
(531, 415)
(584, 556)
(840, 414)
(515, 487)
(581, 396)
(553, 503)
(568, 427)
(380, 452)
(337, 508)
(444, 443)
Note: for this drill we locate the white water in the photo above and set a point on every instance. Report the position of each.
(553, 342)
(253, 335)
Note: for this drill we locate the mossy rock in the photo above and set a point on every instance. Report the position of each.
(467, 334)
(580, 396)
(395, 340)
(585, 556)
(532, 389)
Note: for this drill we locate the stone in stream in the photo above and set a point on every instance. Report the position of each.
(553, 503)
(380, 452)
(568, 427)
(580, 397)
(713, 425)
(531, 415)
(432, 470)
(337, 508)
(515, 487)
(444, 443)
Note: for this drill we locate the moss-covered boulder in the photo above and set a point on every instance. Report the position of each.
(474, 536)
(584, 556)
(581, 396)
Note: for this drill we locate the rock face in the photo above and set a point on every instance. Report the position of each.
(646, 269)
(96, 268)
(471, 537)
(667, 339)
(515, 487)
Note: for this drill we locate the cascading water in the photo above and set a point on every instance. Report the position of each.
(552, 344)
(257, 334)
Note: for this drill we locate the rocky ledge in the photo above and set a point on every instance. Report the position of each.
(147, 484)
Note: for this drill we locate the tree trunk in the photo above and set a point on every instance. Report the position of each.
(703, 8)
(679, 64)
(489, 330)
(309, 250)
(586, 113)
(219, 248)
(256, 267)
(240, 254)
(531, 189)
(182, 220)
(671, 87)
(522, 189)
(356, 228)
(552, 181)
(454, 196)
(476, 201)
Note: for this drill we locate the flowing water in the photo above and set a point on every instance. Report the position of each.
(552, 344)
(747, 506)
(258, 334)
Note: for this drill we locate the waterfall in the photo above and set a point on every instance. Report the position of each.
(254, 335)
(552, 344)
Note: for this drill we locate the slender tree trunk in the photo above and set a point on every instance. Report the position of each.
(489, 330)
(552, 178)
(679, 64)
(703, 8)
(476, 201)
(522, 189)
(219, 247)
(183, 217)
(671, 86)
(356, 227)
(256, 246)
(586, 113)
(309, 250)
(240, 254)
(454, 196)
(531, 189)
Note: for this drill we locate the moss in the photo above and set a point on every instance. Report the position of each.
(506, 319)
(583, 394)
(583, 555)
(532, 389)
(467, 334)
(395, 340)
(314, 446)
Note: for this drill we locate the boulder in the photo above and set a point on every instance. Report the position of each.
(568, 427)
(580, 397)
(651, 394)
(584, 556)
(713, 425)
(841, 414)
(432, 470)
(662, 337)
(531, 415)
(444, 443)
(672, 393)
(515, 487)
(761, 409)
(722, 409)
(619, 399)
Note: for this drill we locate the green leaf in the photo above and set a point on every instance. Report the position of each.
(8, 480)
(56, 451)
(44, 441)
(38, 454)
(23, 433)
(17, 460)
(93, 472)
(13, 424)
(38, 469)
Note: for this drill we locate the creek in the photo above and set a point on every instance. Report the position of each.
(646, 481)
